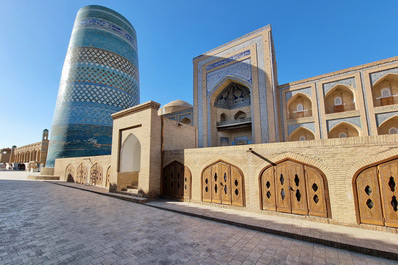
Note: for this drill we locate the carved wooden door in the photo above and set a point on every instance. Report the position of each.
(368, 193)
(316, 190)
(282, 188)
(297, 188)
(223, 183)
(388, 173)
(268, 189)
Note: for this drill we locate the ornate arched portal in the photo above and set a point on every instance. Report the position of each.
(293, 187)
(223, 183)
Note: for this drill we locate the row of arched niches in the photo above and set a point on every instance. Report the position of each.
(83, 176)
(290, 186)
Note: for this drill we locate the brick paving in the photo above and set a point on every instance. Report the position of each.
(42, 223)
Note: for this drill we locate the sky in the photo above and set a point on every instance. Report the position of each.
(310, 37)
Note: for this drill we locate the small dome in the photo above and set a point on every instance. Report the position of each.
(174, 106)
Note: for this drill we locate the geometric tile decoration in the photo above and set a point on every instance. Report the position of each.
(100, 77)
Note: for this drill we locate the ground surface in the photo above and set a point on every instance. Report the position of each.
(43, 223)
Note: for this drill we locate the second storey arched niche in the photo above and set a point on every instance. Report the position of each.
(343, 130)
(299, 106)
(385, 90)
(231, 114)
(389, 126)
(340, 98)
(301, 134)
(293, 187)
(223, 183)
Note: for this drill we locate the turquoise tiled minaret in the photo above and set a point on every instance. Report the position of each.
(99, 77)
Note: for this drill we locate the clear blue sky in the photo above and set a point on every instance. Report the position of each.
(310, 37)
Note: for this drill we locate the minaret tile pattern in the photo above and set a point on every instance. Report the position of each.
(99, 77)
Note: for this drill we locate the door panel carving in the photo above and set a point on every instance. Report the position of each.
(389, 187)
(292, 187)
(223, 183)
(268, 189)
(316, 190)
(298, 194)
(282, 188)
(237, 187)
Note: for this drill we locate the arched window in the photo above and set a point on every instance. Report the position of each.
(393, 130)
(342, 135)
(223, 117)
(385, 92)
(302, 138)
(338, 101)
(300, 107)
(240, 115)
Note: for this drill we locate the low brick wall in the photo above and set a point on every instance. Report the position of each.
(88, 162)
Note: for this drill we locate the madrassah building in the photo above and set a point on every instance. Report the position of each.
(324, 148)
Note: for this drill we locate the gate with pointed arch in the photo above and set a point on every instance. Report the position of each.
(293, 187)
(177, 180)
(223, 183)
(376, 193)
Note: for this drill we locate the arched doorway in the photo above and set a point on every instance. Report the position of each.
(177, 180)
(223, 183)
(69, 173)
(293, 187)
(81, 174)
(130, 161)
(96, 175)
(376, 192)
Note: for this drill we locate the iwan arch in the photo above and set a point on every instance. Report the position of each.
(300, 149)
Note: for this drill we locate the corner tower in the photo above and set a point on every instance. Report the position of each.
(99, 77)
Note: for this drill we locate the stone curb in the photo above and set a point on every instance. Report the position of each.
(329, 243)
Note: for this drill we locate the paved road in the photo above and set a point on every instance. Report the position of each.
(43, 223)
